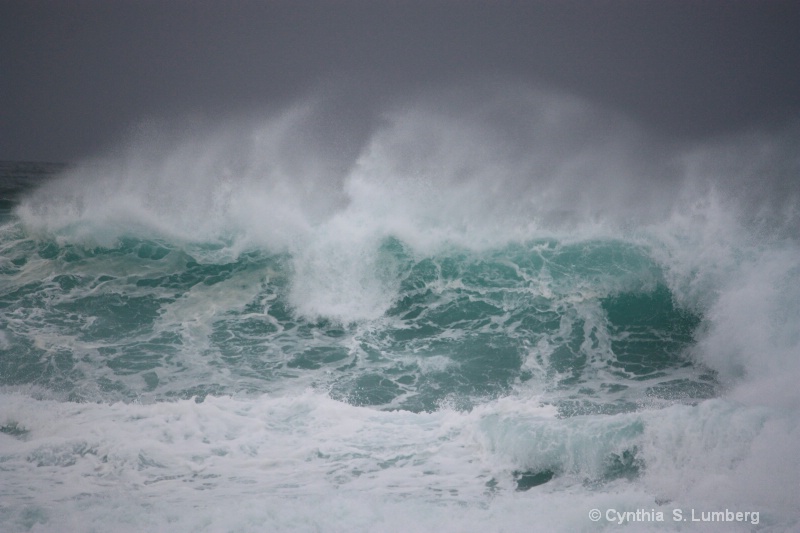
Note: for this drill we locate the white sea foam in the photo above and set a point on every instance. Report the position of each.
(311, 463)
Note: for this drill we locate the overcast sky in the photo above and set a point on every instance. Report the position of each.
(74, 76)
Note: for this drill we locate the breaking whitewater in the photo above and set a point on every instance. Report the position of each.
(477, 314)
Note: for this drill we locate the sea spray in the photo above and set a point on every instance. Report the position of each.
(516, 319)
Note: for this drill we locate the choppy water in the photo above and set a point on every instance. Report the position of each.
(454, 332)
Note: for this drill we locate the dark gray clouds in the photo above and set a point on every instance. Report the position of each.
(77, 75)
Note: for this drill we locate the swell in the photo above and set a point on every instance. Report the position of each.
(345, 242)
(592, 325)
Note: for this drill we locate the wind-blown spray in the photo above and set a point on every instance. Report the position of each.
(507, 303)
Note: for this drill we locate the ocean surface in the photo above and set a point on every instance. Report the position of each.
(461, 325)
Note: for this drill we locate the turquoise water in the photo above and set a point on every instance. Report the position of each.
(191, 345)
(591, 324)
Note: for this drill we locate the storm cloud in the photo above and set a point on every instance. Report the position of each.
(78, 76)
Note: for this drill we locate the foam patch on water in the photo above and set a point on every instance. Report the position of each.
(310, 462)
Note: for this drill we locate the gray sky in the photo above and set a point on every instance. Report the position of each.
(75, 76)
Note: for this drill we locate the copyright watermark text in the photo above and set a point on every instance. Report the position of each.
(676, 515)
